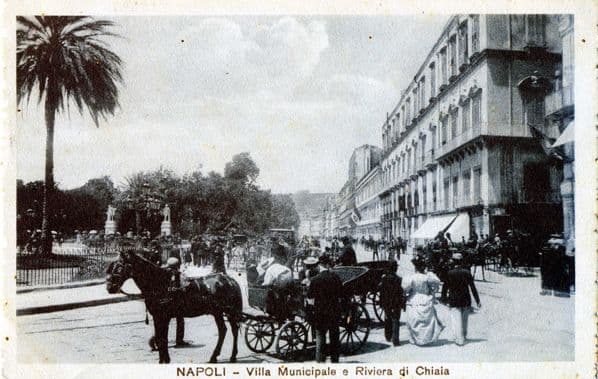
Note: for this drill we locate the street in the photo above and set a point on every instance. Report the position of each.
(506, 328)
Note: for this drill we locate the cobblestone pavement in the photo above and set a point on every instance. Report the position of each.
(504, 329)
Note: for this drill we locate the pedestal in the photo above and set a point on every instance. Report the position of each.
(110, 227)
(165, 228)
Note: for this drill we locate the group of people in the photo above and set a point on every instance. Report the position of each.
(323, 290)
(416, 295)
(382, 248)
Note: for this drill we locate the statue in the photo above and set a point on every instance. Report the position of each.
(166, 213)
(110, 213)
(110, 225)
(166, 226)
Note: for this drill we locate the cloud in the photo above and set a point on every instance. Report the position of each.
(199, 90)
(222, 59)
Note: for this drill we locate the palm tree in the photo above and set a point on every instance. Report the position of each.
(64, 58)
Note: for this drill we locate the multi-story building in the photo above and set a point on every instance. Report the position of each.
(367, 202)
(362, 161)
(329, 218)
(310, 207)
(458, 147)
(560, 114)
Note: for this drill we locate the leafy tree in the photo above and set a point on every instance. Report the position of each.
(66, 59)
(284, 214)
(242, 168)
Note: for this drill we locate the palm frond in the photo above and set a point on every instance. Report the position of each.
(68, 53)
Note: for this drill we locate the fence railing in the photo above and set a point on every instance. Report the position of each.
(67, 263)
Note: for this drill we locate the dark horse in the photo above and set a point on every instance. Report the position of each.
(215, 294)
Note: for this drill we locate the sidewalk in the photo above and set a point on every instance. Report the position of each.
(78, 295)
(60, 299)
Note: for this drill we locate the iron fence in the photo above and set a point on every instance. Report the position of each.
(67, 263)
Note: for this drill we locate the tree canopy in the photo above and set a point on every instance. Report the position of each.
(199, 202)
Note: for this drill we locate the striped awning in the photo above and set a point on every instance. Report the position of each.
(567, 136)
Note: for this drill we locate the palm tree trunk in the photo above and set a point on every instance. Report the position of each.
(50, 113)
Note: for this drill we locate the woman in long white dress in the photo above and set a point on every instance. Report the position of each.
(423, 323)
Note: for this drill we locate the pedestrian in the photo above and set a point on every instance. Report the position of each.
(218, 257)
(173, 267)
(326, 290)
(195, 241)
(420, 289)
(392, 301)
(455, 293)
(400, 245)
(375, 256)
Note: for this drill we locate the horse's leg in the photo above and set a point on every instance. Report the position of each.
(161, 334)
(483, 275)
(221, 333)
(234, 324)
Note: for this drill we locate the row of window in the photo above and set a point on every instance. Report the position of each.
(462, 43)
(456, 122)
(458, 191)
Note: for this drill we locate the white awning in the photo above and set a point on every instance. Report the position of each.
(459, 228)
(432, 226)
(567, 136)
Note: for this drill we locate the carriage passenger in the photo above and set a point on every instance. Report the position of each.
(347, 257)
(277, 274)
(310, 270)
(279, 278)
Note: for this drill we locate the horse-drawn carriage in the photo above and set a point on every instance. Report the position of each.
(287, 324)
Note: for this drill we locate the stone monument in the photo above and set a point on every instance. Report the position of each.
(110, 225)
(166, 226)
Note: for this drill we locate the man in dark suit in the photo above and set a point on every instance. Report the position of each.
(347, 257)
(455, 292)
(326, 290)
(392, 300)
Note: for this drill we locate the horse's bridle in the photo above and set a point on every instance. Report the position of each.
(125, 266)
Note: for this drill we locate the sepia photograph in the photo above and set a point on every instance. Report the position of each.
(304, 189)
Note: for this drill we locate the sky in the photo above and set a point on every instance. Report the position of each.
(298, 93)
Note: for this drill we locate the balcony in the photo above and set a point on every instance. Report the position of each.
(559, 102)
(459, 140)
(467, 201)
(429, 160)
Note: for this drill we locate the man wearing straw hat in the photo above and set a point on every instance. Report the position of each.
(455, 292)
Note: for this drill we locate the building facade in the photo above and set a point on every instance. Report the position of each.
(363, 160)
(310, 207)
(560, 116)
(459, 153)
(367, 202)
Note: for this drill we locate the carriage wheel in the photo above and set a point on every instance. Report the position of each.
(259, 335)
(291, 339)
(378, 310)
(354, 328)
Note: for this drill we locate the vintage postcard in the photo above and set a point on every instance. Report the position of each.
(254, 190)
